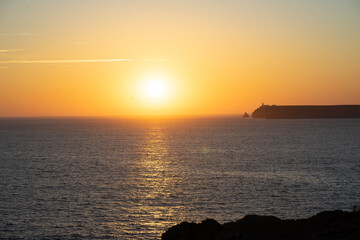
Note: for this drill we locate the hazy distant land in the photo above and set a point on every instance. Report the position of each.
(307, 111)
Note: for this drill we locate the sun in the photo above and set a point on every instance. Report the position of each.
(156, 88)
(155, 93)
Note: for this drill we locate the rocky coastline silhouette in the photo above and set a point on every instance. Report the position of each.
(324, 225)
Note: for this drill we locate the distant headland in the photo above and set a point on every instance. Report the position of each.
(307, 111)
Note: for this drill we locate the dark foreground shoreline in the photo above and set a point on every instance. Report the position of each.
(324, 225)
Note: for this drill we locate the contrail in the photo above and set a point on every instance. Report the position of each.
(80, 60)
(9, 50)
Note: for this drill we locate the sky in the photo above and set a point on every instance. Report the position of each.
(96, 58)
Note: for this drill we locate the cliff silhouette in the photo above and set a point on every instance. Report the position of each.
(307, 111)
(325, 225)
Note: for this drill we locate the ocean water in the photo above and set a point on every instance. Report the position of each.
(133, 179)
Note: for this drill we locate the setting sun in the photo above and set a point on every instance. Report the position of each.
(155, 88)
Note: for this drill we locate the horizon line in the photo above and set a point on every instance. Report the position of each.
(124, 116)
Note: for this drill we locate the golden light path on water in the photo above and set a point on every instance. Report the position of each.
(154, 186)
(156, 180)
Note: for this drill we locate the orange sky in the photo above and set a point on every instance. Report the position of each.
(215, 57)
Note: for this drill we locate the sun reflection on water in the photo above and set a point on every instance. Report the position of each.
(155, 164)
(156, 181)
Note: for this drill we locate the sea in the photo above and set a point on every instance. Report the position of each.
(113, 178)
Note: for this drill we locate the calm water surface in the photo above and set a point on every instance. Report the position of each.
(133, 179)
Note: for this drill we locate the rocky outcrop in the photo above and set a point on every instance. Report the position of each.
(285, 112)
(325, 225)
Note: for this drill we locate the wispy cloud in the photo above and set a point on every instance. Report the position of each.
(69, 61)
(1, 67)
(9, 50)
(80, 60)
(155, 60)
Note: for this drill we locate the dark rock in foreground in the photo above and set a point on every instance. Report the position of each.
(325, 225)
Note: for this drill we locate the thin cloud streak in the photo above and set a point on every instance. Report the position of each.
(79, 60)
(4, 67)
(9, 50)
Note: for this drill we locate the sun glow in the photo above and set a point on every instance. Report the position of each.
(155, 88)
